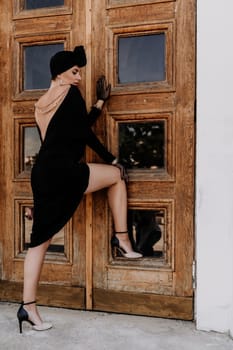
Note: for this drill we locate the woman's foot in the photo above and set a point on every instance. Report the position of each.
(28, 312)
(121, 246)
(33, 314)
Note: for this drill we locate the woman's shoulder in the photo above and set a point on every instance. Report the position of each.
(74, 90)
(74, 96)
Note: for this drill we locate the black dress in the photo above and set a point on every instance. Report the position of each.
(59, 178)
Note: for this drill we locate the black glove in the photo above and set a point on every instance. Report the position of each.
(102, 89)
(124, 175)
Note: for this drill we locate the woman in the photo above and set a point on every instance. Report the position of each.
(60, 178)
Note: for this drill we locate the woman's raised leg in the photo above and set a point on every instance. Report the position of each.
(108, 176)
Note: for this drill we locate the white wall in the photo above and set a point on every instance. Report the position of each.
(214, 176)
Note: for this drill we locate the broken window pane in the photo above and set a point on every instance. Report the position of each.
(141, 145)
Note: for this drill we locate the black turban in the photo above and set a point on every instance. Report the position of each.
(64, 60)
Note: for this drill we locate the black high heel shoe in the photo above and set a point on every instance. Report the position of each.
(22, 316)
(118, 251)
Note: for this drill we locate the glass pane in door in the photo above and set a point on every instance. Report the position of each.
(36, 4)
(36, 65)
(141, 145)
(146, 230)
(141, 58)
(31, 146)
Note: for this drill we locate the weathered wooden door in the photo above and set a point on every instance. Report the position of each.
(146, 50)
(31, 32)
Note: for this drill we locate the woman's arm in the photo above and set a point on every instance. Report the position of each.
(95, 112)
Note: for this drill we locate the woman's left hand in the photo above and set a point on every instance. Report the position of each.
(103, 89)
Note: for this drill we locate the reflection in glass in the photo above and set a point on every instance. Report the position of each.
(36, 4)
(57, 244)
(141, 145)
(146, 230)
(141, 58)
(31, 142)
(36, 65)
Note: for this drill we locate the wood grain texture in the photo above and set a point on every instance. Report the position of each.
(50, 295)
(142, 13)
(144, 304)
(185, 145)
(175, 104)
(48, 25)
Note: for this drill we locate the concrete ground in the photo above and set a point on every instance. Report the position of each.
(84, 330)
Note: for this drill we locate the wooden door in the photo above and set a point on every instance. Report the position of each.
(31, 31)
(146, 48)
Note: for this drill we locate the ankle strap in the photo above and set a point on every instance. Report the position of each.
(28, 303)
(120, 232)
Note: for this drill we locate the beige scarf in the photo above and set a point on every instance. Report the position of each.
(48, 104)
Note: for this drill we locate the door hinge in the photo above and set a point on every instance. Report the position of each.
(194, 274)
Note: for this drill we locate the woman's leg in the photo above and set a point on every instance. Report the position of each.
(102, 176)
(32, 270)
